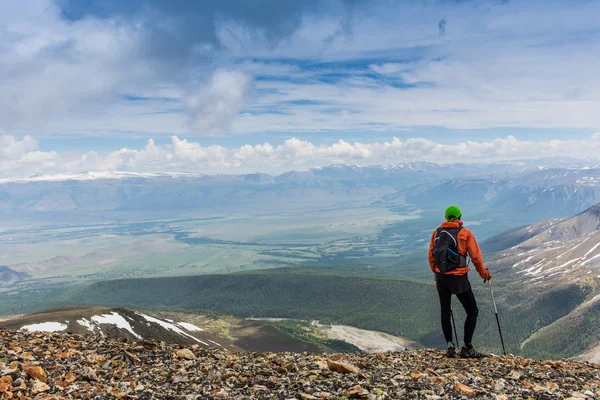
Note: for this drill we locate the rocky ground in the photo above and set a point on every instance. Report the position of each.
(59, 365)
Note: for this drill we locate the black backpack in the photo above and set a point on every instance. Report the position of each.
(445, 250)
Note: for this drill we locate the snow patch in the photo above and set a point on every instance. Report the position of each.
(522, 261)
(88, 176)
(591, 259)
(87, 324)
(591, 250)
(573, 248)
(115, 318)
(594, 299)
(45, 327)
(564, 265)
(171, 327)
(189, 327)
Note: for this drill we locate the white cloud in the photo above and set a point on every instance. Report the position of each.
(12, 148)
(182, 155)
(214, 106)
(389, 68)
(51, 67)
(59, 76)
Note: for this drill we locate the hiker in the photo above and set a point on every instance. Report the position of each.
(450, 246)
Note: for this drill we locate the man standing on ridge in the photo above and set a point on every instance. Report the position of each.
(450, 245)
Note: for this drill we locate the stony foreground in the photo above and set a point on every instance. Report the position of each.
(47, 366)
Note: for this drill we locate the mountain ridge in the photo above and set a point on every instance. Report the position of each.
(9, 275)
(115, 323)
(525, 164)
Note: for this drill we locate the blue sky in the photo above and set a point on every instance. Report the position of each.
(238, 85)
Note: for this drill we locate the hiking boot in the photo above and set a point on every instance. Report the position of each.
(470, 353)
(451, 353)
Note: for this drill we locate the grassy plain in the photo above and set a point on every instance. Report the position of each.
(76, 253)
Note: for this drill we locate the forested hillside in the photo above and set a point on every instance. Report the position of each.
(400, 307)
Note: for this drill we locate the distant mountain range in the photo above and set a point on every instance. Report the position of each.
(500, 187)
(538, 194)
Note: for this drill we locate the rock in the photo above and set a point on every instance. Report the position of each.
(462, 388)
(8, 380)
(324, 395)
(5, 385)
(40, 387)
(357, 392)
(69, 377)
(89, 374)
(416, 375)
(515, 375)
(91, 366)
(180, 379)
(132, 357)
(186, 354)
(342, 367)
(36, 372)
(498, 387)
(219, 394)
(322, 365)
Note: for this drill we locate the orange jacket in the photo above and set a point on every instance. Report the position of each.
(466, 245)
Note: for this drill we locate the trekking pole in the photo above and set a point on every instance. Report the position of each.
(454, 326)
(497, 319)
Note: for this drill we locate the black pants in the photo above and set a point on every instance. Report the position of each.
(447, 285)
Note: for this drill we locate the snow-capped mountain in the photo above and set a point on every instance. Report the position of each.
(562, 250)
(96, 175)
(508, 191)
(536, 195)
(553, 266)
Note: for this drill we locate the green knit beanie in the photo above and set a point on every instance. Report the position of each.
(453, 213)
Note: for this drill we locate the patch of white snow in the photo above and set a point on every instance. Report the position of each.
(573, 248)
(115, 318)
(563, 265)
(87, 324)
(45, 327)
(171, 327)
(591, 259)
(594, 299)
(188, 326)
(591, 250)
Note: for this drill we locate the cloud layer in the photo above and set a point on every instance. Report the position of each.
(223, 66)
(20, 158)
